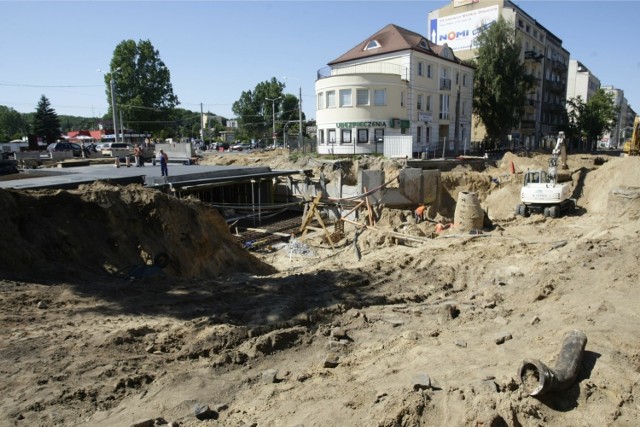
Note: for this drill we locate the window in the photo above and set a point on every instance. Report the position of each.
(373, 44)
(331, 136)
(457, 78)
(429, 70)
(428, 107)
(362, 96)
(464, 79)
(363, 136)
(378, 135)
(464, 108)
(345, 98)
(419, 135)
(444, 106)
(331, 99)
(345, 137)
(402, 99)
(419, 106)
(320, 101)
(427, 134)
(380, 97)
(321, 136)
(420, 65)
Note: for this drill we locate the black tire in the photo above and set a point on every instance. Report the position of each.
(161, 260)
(546, 212)
(554, 212)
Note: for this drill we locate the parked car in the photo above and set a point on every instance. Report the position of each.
(241, 146)
(103, 146)
(216, 146)
(66, 146)
(118, 149)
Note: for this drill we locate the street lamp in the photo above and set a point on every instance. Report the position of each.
(299, 114)
(273, 110)
(113, 102)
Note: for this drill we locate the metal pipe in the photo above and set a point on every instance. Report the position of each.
(537, 378)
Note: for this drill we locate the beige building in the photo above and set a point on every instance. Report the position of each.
(460, 22)
(396, 82)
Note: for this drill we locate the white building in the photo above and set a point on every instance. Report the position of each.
(396, 82)
(616, 136)
(581, 81)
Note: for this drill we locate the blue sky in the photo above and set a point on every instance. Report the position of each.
(217, 49)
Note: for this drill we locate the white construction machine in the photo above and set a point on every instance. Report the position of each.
(542, 193)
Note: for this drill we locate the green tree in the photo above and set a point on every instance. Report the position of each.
(501, 82)
(46, 124)
(12, 124)
(143, 90)
(254, 110)
(589, 121)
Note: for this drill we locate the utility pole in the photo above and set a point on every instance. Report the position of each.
(300, 134)
(112, 87)
(273, 110)
(113, 109)
(201, 124)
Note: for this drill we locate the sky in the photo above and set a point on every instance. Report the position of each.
(215, 50)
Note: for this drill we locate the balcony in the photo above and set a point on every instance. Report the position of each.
(445, 84)
(367, 68)
(533, 56)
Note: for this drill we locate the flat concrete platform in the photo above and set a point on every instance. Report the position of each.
(147, 175)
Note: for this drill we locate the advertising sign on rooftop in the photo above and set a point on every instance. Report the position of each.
(458, 3)
(459, 31)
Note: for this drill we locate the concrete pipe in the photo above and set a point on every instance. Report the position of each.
(468, 214)
(537, 378)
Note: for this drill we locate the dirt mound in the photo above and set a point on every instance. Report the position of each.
(616, 172)
(101, 228)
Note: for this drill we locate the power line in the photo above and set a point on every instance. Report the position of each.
(49, 86)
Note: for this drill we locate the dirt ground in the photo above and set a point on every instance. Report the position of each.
(380, 331)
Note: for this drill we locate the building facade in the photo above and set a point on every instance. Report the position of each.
(394, 83)
(581, 82)
(460, 22)
(616, 136)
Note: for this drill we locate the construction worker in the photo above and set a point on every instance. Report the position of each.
(419, 213)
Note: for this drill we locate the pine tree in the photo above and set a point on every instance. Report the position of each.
(46, 124)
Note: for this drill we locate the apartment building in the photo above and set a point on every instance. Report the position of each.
(460, 22)
(581, 82)
(616, 136)
(396, 82)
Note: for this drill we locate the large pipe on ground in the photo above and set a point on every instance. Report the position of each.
(537, 378)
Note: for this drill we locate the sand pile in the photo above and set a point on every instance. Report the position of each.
(105, 229)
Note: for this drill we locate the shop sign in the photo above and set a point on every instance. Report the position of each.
(371, 124)
(424, 117)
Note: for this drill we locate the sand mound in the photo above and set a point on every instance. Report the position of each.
(101, 228)
(616, 172)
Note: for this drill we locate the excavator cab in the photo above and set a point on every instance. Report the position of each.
(536, 177)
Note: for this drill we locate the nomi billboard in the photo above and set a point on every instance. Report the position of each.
(460, 30)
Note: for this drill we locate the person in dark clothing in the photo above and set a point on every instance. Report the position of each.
(164, 159)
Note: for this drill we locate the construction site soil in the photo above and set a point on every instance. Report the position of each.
(123, 306)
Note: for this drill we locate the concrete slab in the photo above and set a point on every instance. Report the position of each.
(149, 175)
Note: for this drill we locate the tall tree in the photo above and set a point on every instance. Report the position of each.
(589, 121)
(46, 124)
(12, 124)
(255, 110)
(501, 81)
(143, 90)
